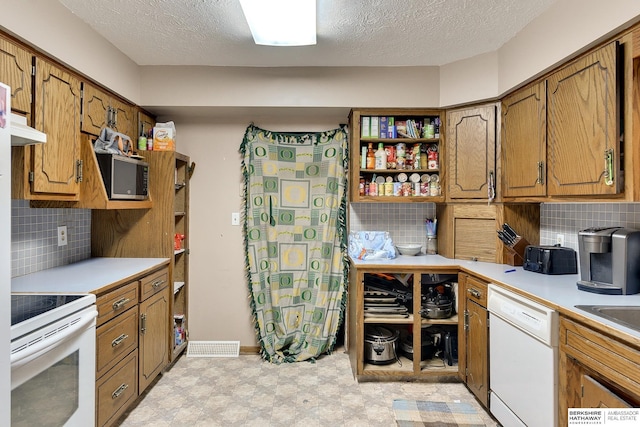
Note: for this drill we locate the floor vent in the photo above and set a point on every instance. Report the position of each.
(213, 349)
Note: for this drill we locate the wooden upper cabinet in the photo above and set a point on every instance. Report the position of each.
(101, 110)
(15, 70)
(524, 142)
(583, 126)
(124, 119)
(56, 113)
(471, 150)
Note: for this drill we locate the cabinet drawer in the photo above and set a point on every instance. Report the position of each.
(117, 390)
(115, 339)
(476, 290)
(116, 302)
(612, 359)
(154, 283)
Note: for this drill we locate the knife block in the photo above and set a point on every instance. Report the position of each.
(515, 253)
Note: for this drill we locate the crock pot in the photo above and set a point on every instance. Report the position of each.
(380, 344)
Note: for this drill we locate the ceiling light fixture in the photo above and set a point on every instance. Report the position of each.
(281, 22)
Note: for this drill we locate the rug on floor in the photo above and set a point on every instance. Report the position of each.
(410, 413)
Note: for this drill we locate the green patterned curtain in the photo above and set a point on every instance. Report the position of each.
(295, 239)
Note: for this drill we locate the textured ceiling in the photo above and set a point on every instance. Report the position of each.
(350, 32)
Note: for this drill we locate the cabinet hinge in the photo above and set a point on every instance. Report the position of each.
(31, 176)
(466, 320)
(79, 170)
(33, 70)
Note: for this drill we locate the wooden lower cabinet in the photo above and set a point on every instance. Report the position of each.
(473, 350)
(132, 342)
(596, 370)
(154, 337)
(116, 391)
(400, 366)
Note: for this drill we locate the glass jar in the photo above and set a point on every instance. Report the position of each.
(431, 247)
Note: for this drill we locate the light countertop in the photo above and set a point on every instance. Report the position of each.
(555, 291)
(90, 275)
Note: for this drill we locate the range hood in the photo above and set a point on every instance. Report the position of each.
(21, 134)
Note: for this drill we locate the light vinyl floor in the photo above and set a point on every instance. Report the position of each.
(247, 391)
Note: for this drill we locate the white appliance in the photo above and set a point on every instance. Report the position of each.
(53, 359)
(5, 251)
(523, 367)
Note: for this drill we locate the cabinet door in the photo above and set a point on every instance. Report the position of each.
(595, 395)
(583, 127)
(524, 142)
(124, 120)
(95, 109)
(475, 238)
(57, 113)
(471, 148)
(154, 337)
(15, 70)
(477, 342)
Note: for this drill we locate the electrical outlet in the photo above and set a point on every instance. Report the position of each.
(560, 239)
(235, 218)
(62, 235)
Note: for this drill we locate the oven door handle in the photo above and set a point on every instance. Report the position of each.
(32, 352)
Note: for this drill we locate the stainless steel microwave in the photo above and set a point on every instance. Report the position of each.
(125, 178)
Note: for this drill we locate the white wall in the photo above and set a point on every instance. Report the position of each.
(219, 305)
(175, 86)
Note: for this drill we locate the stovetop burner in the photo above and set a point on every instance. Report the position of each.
(24, 306)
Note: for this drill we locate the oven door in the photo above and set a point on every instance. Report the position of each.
(53, 374)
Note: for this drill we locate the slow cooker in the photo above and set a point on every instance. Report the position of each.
(380, 344)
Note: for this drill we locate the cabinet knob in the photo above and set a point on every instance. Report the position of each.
(119, 391)
(119, 340)
(474, 293)
(120, 303)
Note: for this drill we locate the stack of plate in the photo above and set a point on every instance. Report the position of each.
(383, 305)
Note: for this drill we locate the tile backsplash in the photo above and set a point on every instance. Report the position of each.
(34, 237)
(569, 218)
(405, 221)
(34, 231)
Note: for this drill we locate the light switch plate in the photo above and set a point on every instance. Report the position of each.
(62, 235)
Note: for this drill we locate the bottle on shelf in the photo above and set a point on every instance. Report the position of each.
(371, 158)
(380, 157)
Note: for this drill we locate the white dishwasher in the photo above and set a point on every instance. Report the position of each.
(523, 363)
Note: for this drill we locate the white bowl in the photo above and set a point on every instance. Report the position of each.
(409, 249)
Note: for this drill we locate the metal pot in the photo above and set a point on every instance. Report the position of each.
(380, 345)
(437, 310)
(427, 349)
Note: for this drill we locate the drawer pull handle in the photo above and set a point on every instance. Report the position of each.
(119, 340)
(119, 391)
(474, 293)
(158, 283)
(120, 303)
(143, 323)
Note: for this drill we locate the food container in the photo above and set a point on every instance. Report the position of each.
(380, 345)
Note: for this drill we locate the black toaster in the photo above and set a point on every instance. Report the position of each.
(550, 260)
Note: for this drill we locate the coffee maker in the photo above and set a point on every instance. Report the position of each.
(609, 260)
